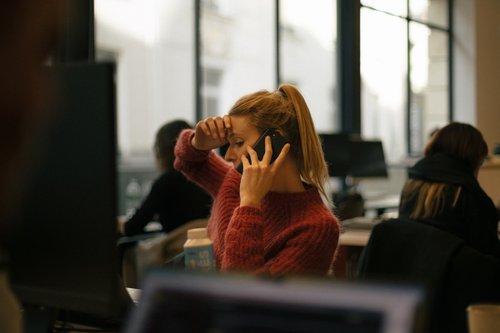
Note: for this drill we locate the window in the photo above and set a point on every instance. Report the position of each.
(237, 51)
(405, 61)
(153, 47)
(248, 45)
(383, 81)
(308, 56)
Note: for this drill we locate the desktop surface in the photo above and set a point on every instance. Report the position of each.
(384, 202)
(356, 231)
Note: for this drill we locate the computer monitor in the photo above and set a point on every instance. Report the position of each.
(367, 159)
(337, 153)
(63, 251)
(180, 302)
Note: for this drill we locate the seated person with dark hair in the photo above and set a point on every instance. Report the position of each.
(446, 235)
(173, 198)
(443, 190)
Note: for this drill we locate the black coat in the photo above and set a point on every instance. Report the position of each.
(474, 218)
(174, 199)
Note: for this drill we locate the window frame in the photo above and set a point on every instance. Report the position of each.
(447, 30)
(348, 62)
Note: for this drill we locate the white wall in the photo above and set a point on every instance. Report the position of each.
(487, 76)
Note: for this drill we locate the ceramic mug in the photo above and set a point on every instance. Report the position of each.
(483, 318)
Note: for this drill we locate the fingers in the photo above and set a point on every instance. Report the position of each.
(216, 128)
(202, 124)
(281, 157)
(244, 161)
(227, 122)
(253, 156)
(268, 153)
(210, 133)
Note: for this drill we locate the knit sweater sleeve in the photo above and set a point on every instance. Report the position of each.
(308, 248)
(205, 168)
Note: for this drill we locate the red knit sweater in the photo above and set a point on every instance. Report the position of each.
(291, 232)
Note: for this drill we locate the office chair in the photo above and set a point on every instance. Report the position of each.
(453, 273)
(348, 204)
(140, 255)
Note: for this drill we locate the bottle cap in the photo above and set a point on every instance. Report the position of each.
(197, 233)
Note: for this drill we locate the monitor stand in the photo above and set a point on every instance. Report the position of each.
(348, 205)
(349, 202)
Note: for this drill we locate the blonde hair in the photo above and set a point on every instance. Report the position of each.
(286, 110)
(430, 198)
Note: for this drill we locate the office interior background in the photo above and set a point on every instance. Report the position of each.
(393, 70)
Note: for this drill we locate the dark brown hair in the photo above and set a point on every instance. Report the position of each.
(165, 140)
(462, 141)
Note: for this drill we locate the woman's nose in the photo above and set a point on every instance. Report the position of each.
(229, 156)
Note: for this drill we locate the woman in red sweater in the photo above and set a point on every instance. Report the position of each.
(271, 218)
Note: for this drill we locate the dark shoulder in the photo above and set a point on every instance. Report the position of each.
(477, 195)
(173, 179)
(167, 180)
(170, 176)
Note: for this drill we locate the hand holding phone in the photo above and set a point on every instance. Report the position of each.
(277, 143)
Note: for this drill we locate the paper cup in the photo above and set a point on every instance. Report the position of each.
(483, 318)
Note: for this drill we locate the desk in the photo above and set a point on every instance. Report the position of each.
(351, 245)
(78, 328)
(383, 203)
(354, 238)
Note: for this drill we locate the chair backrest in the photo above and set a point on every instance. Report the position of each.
(173, 243)
(348, 205)
(154, 252)
(453, 273)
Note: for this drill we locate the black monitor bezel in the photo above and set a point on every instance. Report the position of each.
(63, 253)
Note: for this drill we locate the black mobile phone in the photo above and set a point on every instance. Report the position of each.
(277, 143)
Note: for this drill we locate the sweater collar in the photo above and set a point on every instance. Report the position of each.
(311, 194)
(295, 198)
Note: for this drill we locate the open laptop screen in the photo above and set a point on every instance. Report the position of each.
(178, 302)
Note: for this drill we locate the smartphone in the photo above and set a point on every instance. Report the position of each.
(277, 143)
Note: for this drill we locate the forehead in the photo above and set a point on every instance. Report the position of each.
(240, 125)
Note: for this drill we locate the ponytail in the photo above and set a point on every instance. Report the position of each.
(313, 168)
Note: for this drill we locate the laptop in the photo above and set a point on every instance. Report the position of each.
(175, 301)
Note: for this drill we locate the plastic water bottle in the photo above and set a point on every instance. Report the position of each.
(133, 196)
(199, 251)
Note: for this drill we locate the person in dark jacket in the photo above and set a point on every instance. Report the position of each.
(173, 199)
(443, 191)
(445, 238)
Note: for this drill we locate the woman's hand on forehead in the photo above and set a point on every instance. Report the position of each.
(216, 127)
(227, 122)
